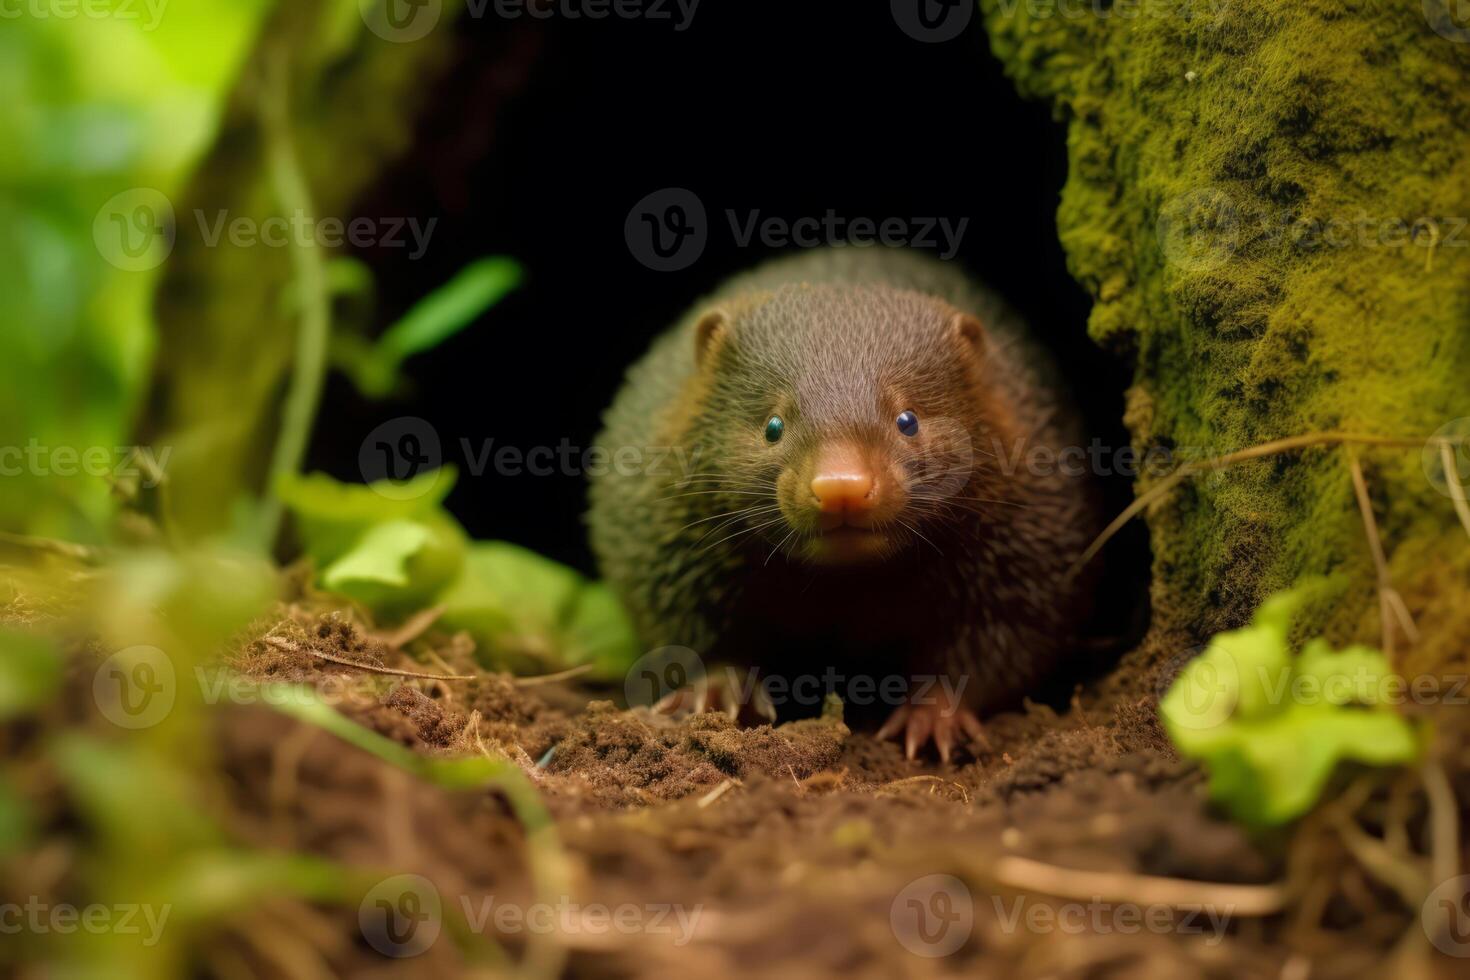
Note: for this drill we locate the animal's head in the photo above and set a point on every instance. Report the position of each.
(838, 422)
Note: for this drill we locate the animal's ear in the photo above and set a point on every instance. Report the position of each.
(969, 331)
(711, 331)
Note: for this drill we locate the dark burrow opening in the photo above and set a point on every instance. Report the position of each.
(546, 132)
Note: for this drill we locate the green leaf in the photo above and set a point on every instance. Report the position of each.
(466, 772)
(203, 595)
(1355, 675)
(507, 592)
(138, 801)
(390, 544)
(379, 557)
(451, 307)
(393, 547)
(349, 278)
(30, 673)
(331, 516)
(1271, 730)
(461, 773)
(220, 882)
(600, 632)
(1274, 770)
(434, 319)
(398, 567)
(516, 602)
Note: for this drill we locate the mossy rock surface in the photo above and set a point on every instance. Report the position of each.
(1268, 204)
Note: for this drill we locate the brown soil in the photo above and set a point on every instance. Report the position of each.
(804, 849)
(801, 849)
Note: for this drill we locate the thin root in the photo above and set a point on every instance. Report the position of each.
(1049, 879)
(281, 643)
(1275, 447)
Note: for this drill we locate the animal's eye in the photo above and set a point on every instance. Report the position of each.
(774, 428)
(908, 423)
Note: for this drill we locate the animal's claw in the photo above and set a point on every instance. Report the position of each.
(720, 692)
(934, 718)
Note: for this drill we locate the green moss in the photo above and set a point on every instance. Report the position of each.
(1242, 184)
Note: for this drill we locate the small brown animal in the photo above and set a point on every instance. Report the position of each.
(873, 477)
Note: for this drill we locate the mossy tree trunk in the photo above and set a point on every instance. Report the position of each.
(1268, 204)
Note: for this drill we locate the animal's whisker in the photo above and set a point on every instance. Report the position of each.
(742, 512)
(918, 534)
(732, 514)
(732, 493)
(731, 520)
(778, 546)
(947, 498)
(741, 532)
(712, 478)
(747, 483)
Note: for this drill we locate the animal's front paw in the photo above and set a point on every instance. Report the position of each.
(933, 715)
(721, 691)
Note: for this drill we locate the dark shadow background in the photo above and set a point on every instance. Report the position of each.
(546, 134)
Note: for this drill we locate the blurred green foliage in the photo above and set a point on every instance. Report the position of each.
(392, 547)
(389, 545)
(110, 111)
(133, 808)
(374, 366)
(95, 107)
(1271, 728)
(532, 615)
(128, 797)
(30, 674)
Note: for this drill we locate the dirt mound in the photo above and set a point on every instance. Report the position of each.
(1060, 845)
